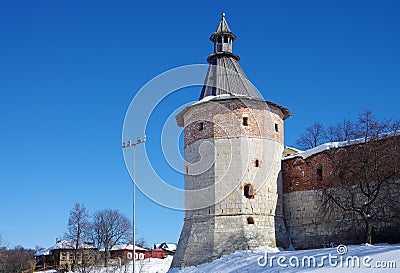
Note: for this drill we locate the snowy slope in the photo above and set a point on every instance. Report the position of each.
(290, 261)
(253, 261)
(144, 266)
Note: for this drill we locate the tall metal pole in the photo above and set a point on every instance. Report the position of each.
(134, 210)
(124, 145)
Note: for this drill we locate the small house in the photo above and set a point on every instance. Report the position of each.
(124, 251)
(61, 256)
(168, 248)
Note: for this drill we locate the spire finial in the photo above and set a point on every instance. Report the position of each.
(223, 37)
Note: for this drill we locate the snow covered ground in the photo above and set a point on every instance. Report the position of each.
(145, 266)
(354, 258)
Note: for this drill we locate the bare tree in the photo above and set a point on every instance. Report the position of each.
(141, 242)
(342, 131)
(312, 137)
(364, 172)
(78, 230)
(3, 242)
(16, 260)
(109, 228)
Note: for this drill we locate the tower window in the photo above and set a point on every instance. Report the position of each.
(220, 39)
(276, 127)
(245, 121)
(257, 163)
(319, 173)
(250, 220)
(201, 126)
(225, 39)
(249, 191)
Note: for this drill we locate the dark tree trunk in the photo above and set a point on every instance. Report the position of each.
(368, 224)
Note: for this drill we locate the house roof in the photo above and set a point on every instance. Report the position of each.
(125, 247)
(166, 246)
(63, 244)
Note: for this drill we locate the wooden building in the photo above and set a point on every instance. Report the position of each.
(61, 256)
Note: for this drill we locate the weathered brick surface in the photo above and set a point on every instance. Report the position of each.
(285, 205)
(225, 119)
(220, 160)
(309, 223)
(301, 174)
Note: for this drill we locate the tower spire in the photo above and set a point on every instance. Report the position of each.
(225, 76)
(223, 37)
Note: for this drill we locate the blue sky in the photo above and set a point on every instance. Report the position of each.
(69, 70)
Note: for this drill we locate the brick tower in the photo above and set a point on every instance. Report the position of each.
(233, 143)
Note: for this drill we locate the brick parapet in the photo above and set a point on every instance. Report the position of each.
(303, 174)
(220, 119)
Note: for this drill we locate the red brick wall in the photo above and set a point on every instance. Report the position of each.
(301, 174)
(224, 119)
(307, 219)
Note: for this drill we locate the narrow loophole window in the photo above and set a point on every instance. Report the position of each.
(250, 220)
(245, 121)
(276, 127)
(256, 163)
(201, 126)
(319, 173)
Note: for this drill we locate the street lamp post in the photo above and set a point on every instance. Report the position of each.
(124, 146)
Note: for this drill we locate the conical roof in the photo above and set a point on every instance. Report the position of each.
(225, 76)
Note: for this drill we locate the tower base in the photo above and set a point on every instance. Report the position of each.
(207, 238)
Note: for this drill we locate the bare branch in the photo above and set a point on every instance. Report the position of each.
(313, 136)
(110, 227)
(363, 173)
